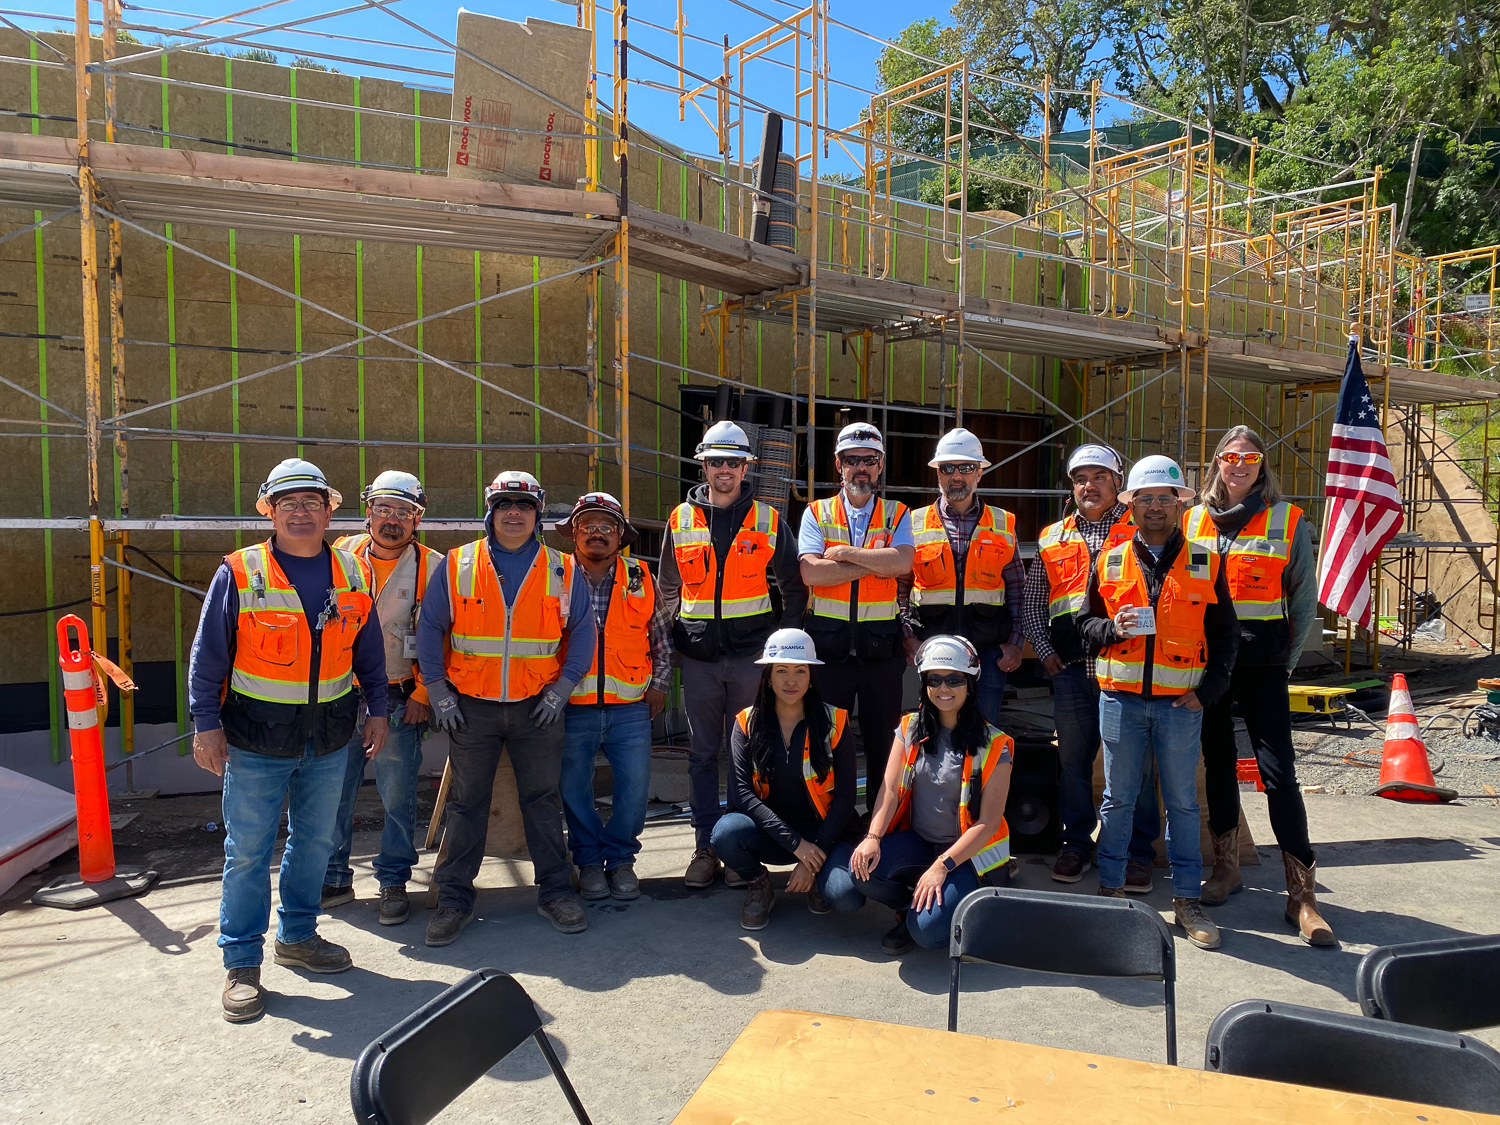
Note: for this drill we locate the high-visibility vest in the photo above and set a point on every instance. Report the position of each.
(723, 588)
(996, 850)
(624, 644)
(399, 600)
(278, 656)
(876, 594)
(819, 790)
(1179, 650)
(934, 577)
(501, 652)
(1065, 555)
(1255, 560)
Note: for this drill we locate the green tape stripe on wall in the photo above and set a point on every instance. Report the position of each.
(234, 318)
(416, 132)
(179, 669)
(296, 267)
(359, 305)
(478, 388)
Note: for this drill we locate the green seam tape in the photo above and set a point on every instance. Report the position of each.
(234, 316)
(359, 304)
(478, 390)
(54, 731)
(179, 676)
(296, 267)
(536, 359)
(421, 375)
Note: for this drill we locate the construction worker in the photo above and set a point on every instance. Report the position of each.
(967, 579)
(715, 556)
(490, 644)
(1056, 587)
(854, 547)
(1158, 616)
(613, 705)
(288, 626)
(1267, 553)
(401, 569)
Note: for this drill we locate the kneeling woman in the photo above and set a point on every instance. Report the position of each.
(940, 822)
(792, 782)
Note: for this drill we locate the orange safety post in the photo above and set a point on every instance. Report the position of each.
(96, 847)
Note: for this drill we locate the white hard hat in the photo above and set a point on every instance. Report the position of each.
(947, 651)
(789, 646)
(1101, 455)
(958, 445)
(294, 475)
(1156, 471)
(724, 439)
(515, 484)
(860, 435)
(393, 484)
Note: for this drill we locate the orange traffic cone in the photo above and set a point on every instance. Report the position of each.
(1405, 774)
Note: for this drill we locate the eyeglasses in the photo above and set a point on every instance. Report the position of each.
(507, 504)
(966, 470)
(291, 504)
(858, 462)
(955, 679)
(597, 528)
(723, 462)
(1154, 501)
(1230, 458)
(386, 512)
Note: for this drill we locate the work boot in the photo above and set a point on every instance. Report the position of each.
(591, 882)
(1137, 877)
(565, 913)
(1195, 923)
(336, 896)
(1110, 892)
(394, 906)
(623, 883)
(1225, 880)
(316, 955)
(702, 868)
(444, 927)
(759, 897)
(1070, 866)
(898, 939)
(1302, 905)
(816, 902)
(734, 880)
(244, 998)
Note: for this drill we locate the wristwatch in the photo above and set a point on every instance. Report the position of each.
(948, 863)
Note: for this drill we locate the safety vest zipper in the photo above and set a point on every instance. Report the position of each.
(505, 652)
(315, 662)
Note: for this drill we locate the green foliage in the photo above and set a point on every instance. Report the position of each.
(257, 54)
(302, 62)
(996, 183)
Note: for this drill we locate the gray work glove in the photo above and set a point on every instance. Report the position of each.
(552, 702)
(446, 715)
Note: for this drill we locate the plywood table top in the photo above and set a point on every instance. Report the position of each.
(802, 1068)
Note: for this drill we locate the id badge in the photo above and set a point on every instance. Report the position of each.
(409, 646)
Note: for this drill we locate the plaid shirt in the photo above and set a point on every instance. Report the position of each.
(1039, 590)
(960, 527)
(659, 630)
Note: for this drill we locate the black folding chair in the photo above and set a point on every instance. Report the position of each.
(1355, 1054)
(417, 1067)
(1070, 934)
(1452, 984)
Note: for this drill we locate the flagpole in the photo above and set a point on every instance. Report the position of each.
(1385, 409)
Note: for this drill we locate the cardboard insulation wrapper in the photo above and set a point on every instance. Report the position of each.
(505, 131)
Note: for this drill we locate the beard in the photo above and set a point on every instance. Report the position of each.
(862, 486)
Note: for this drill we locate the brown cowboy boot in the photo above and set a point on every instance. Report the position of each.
(1302, 905)
(1225, 880)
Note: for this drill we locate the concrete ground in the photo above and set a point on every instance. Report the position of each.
(112, 1015)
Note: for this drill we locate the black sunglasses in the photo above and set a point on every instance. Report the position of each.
(953, 679)
(724, 462)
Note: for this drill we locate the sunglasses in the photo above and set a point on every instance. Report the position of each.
(962, 470)
(723, 462)
(859, 462)
(955, 679)
(1242, 458)
(507, 504)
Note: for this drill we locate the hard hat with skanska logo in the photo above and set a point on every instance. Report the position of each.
(1101, 456)
(724, 439)
(789, 646)
(958, 446)
(949, 653)
(1156, 471)
(294, 475)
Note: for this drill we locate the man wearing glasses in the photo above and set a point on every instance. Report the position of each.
(401, 570)
(715, 555)
(855, 547)
(967, 578)
(287, 628)
(1160, 619)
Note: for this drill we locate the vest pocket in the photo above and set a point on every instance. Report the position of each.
(988, 561)
(692, 563)
(273, 639)
(931, 566)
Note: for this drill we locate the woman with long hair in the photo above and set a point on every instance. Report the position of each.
(1266, 551)
(792, 784)
(940, 822)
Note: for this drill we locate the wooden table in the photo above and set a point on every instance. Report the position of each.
(791, 1068)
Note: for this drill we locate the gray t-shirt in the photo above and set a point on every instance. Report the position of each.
(935, 790)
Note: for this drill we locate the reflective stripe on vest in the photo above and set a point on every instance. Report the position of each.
(877, 594)
(934, 579)
(996, 850)
(820, 792)
(399, 599)
(1255, 559)
(1065, 555)
(501, 652)
(1179, 649)
(273, 640)
(625, 639)
(745, 591)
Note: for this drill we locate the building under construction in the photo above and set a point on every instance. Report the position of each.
(212, 262)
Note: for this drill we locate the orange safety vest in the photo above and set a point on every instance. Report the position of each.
(399, 600)
(1254, 560)
(1065, 555)
(876, 595)
(934, 578)
(821, 791)
(274, 645)
(996, 850)
(743, 591)
(625, 640)
(501, 652)
(1179, 649)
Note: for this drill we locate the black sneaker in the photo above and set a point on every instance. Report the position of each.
(336, 896)
(316, 955)
(444, 927)
(394, 907)
(898, 940)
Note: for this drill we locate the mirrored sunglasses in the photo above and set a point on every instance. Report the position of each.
(1230, 458)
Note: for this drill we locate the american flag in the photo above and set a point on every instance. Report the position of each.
(1364, 508)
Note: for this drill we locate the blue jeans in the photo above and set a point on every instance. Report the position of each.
(745, 850)
(1075, 710)
(254, 787)
(904, 855)
(396, 769)
(991, 693)
(623, 732)
(1135, 729)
